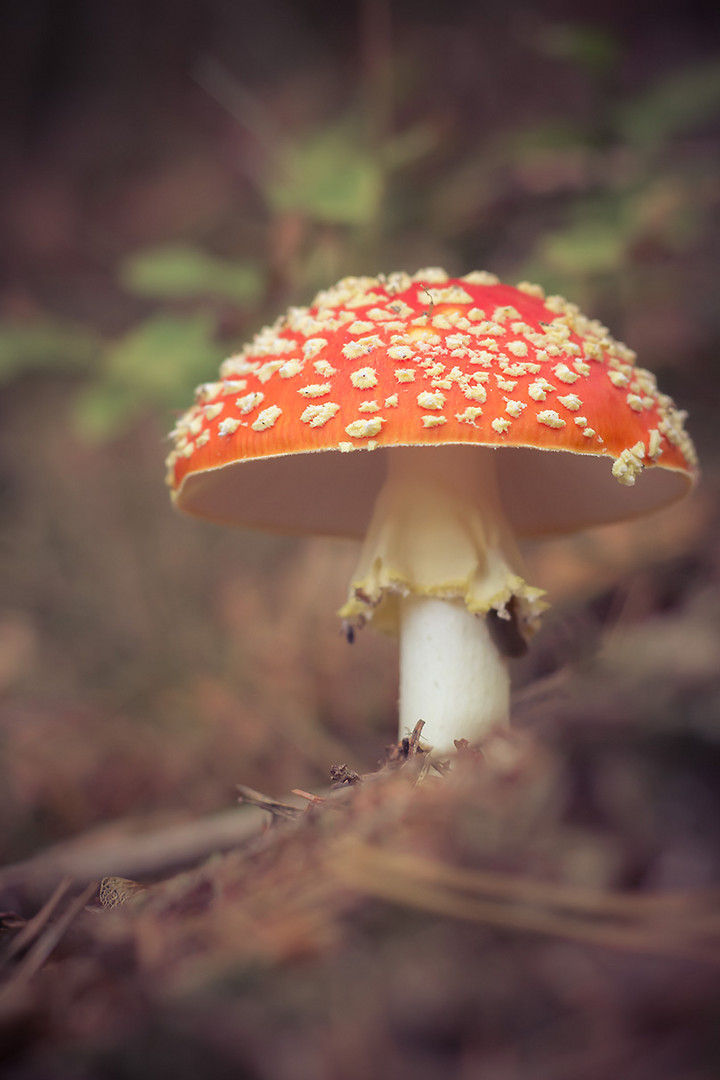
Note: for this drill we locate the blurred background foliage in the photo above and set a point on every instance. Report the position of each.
(179, 173)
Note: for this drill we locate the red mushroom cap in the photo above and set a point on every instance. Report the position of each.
(429, 360)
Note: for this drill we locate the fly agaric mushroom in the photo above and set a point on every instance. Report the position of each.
(376, 412)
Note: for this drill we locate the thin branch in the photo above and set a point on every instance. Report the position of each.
(152, 854)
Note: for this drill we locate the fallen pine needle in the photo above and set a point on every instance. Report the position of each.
(34, 926)
(44, 945)
(520, 903)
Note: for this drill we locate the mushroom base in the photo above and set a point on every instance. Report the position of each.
(439, 554)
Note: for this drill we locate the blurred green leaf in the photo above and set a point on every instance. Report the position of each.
(100, 413)
(164, 354)
(330, 178)
(155, 365)
(603, 229)
(179, 271)
(553, 134)
(669, 209)
(407, 147)
(679, 102)
(44, 344)
(589, 247)
(590, 47)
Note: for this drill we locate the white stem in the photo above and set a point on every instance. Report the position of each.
(438, 556)
(451, 674)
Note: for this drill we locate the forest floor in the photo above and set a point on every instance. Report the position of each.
(546, 907)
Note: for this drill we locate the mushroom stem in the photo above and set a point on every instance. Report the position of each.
(451, 674)
(439, 555)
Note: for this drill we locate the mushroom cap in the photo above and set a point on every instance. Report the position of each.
(429, 361)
